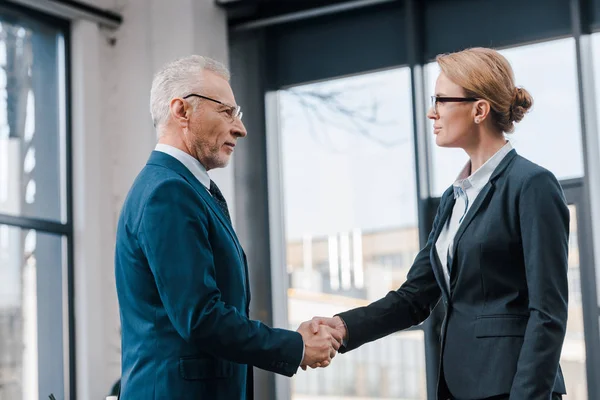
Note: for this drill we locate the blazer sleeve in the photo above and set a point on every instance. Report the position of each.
(544, 221)
(173, 235)
(410, 305)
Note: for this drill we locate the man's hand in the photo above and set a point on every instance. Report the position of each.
(320, 344)
(334, 323)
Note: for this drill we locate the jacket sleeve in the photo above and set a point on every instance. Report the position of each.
(544, 221)
(173, 235)
(410, 305)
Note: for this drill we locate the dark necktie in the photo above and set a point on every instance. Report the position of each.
(218, 196)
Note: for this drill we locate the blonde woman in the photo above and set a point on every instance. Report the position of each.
(497, 252)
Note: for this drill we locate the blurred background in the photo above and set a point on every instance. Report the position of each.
(332, 193)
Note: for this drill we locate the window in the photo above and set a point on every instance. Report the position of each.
(573, 357)
(596, 61)
(596, 207)
(35, 230)
(350, 219)
(550, 135)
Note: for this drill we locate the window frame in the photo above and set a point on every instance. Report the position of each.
(64, 230)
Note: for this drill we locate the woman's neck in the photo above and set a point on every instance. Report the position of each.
(482, 151)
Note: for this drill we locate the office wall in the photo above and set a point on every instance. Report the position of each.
(112, 137)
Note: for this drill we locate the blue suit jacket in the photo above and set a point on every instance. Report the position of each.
(506, 310)
(182, 284)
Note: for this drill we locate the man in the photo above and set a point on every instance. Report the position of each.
(181, 274)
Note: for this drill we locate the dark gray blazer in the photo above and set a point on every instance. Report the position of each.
(506, 312)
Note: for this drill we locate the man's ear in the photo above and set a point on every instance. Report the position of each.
(180, 111)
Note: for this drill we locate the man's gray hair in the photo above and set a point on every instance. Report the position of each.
(179, 78)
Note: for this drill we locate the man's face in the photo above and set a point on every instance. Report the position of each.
(213, 130)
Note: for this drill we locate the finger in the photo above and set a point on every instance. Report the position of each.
(314, 326)
(337, 335)
(335, 342)
(332, 349)
(336, 346)
(325, 364)
(323, 321)
(319, 321)
(303, 367)
(315, 365)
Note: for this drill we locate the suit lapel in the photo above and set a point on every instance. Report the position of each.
(433, 255)
(444, 216)
(482, 198)
(212, 204)
(479, 201)
(249, 295)
(226, 222)
(172, 163)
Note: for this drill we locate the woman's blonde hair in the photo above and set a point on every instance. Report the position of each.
(485, 74)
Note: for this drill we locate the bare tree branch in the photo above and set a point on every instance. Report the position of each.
(330, 108)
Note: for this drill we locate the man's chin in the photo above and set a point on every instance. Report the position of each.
(222, 162)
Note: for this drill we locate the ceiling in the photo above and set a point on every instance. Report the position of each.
(239, 11)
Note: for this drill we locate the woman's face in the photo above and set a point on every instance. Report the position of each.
(453, 121)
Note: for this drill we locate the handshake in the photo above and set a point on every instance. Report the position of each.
(322, 339)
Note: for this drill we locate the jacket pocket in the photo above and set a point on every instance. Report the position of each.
(204, 368)
(500, 325)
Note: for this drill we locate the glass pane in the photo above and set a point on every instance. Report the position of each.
(573, 354)
(31, 317)
(596, 61)
(550, 135)
(596, 207)
(351, 223)
(32, 115)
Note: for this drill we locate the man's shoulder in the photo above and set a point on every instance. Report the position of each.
(155, 182)
(155, 175)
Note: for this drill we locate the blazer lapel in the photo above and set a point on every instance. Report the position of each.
(249, 295)
(479, 201)
(433, 255)
(208, 199)
(482, 198)
(444, 217)
(172, 163)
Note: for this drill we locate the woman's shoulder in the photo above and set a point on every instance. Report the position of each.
(527, 172)
(527, 169)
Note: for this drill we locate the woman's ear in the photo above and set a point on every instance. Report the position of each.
(481, 111)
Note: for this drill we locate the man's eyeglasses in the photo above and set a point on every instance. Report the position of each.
(233, 111)
(439, 99)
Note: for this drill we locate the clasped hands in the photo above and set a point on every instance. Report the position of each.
(322, 339)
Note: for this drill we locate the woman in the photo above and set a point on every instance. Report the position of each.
(497, 252)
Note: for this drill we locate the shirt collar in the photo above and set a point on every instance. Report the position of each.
(479, 178)
(195, 167)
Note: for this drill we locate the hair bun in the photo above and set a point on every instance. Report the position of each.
(521, 103)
